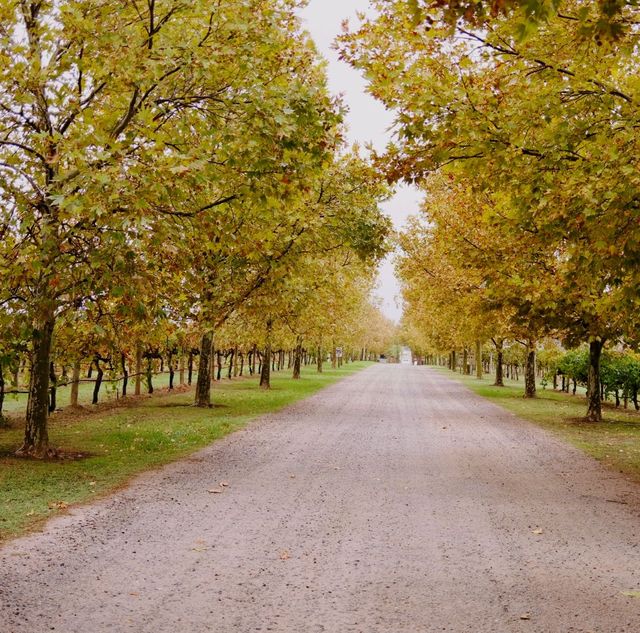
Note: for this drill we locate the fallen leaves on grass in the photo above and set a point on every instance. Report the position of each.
(58, 505)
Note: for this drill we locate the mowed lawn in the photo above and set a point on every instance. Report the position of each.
(615, 441)
(104, 448)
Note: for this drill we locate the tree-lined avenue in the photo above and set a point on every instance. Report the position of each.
(395, 500)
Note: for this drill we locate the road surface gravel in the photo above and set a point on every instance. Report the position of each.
(395, 501)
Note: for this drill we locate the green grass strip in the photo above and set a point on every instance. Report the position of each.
(116, 444)
(615, 441)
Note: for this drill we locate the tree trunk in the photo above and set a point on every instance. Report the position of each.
(454, 361)
(138, 385)
(499, 382)
(53, 382)
(181, 367)
(219, 359)
(125, 374)
(594, 410)
(479, 360)
(319, 359)
(235, 364)
(36, 434)
(297, 358)
(98, 382)
(149, 374)
(203, 384)
(190, 368)
(172, 371)
(232, 356)
(530, 371)
(265, 374)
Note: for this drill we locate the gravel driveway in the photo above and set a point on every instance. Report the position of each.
(392, 502)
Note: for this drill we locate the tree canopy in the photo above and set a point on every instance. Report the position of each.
(533, 134)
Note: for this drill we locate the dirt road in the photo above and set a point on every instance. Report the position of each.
(393, 502)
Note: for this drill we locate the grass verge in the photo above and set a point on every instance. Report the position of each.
(113, 445)
(615, 441)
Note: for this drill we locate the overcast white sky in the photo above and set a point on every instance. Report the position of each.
(367, 119)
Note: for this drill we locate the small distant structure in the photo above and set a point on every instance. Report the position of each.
(406, 357)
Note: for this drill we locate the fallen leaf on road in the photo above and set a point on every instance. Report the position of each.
(292, 476)
(215, 491)
(134, 593)
(224, 484)
(631, 594)
(202, 548)
(538, 531)
(525, 616)
(284, 555)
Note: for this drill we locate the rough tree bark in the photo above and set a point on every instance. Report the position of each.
(297, 358)
(499, 344)
(36, 434)
(265, 374)
(594, 398)
(479, 360)
(203, 384)
(530, 370)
